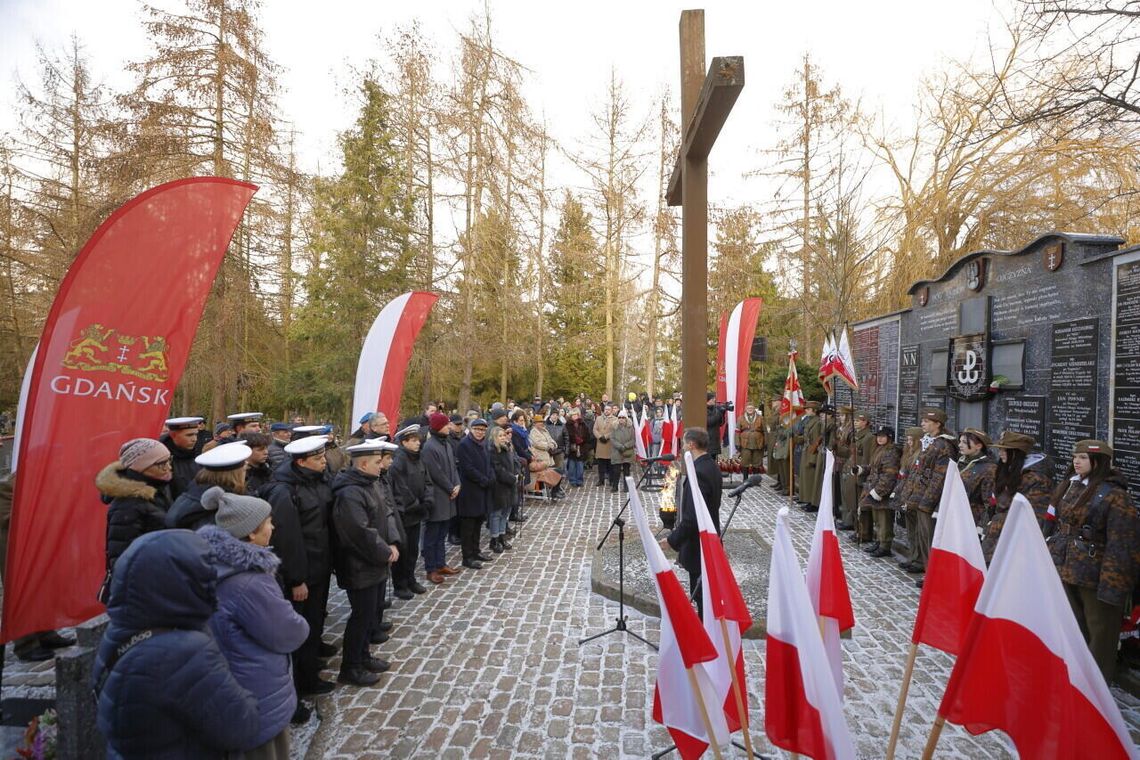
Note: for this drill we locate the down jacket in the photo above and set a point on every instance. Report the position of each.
(410, 487)
(187, 511)
(170, 696)
(365, 530)
(255, 627)
(302, 502)
(137, 505)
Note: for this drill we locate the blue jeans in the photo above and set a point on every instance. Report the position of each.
(575, 469)
(435, 547)
(497, 521)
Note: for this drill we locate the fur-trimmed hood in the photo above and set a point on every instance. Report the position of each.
(113, 483)
(232, 555)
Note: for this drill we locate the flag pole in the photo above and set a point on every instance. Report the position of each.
(907, 673)
(704, 713)
(932, 742)
(736, 690)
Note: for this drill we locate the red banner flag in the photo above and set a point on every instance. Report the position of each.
(111, 354)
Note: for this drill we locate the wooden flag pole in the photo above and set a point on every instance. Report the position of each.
(736, 690)
(704, 713)
(932, 741)
(907, 673)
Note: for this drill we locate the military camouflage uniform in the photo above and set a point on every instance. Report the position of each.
(881, 477)
(978, 477)
(1036, 486)
(926, 493)
(1098, 568)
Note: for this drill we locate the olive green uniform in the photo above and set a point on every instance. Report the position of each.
(810, 470)
(859, 447)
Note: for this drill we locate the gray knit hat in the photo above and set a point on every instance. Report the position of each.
(140, 453)
(237, 515)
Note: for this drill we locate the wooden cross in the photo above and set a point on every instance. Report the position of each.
(706, 100)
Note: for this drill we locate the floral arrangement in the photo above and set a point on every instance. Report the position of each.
(40, 738)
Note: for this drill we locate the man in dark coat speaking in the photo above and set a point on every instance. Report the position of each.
(685, 537)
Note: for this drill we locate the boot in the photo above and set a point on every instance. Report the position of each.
(416, 588)
(496, 545)
(479, 555)
(473, 564)
(377, 665)
(358, 677)
(403, 593)
(504, 544)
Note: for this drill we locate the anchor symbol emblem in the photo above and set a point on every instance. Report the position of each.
(969, 374)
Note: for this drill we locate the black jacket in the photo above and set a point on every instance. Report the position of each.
(257, 477)
(442, 474)
(137, 505)
(185, 468)
(475, 479)
(302, 504)
(364, 535)
(506, 467)
(187, 511)
(410, 485)
(685, 537)
(714, 418)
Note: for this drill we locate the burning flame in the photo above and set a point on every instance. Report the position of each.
(668, 501)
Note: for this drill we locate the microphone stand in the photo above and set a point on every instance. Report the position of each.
(620, 623)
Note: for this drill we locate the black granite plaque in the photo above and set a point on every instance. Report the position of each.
(908, 386)
(1072, 388)
(1126, 390)
(1026, 414)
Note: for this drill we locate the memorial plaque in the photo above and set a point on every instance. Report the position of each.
(875, 348)
(1126, 391)
(1072, 388)
(1026, 414)
(968, 377)
(908, 387)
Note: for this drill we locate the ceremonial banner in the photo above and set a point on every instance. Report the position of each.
(383, 364)
(111, 354)
(792, 402)
(737, 341)
(845, 362)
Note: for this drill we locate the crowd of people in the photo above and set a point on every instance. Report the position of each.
(1088, 518)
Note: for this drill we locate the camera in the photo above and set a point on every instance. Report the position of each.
(726, 406)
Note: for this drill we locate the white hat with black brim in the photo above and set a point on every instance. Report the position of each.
(228, 456)
(245, 416)
(371, 447)
(181, 423)
(306, 447)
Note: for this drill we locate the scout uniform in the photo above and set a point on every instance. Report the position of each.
(879, 479)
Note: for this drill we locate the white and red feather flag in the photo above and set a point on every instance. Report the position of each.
(684, 647)
(1024, 667)
(954, 572)
(802, 709)
(827, 362)
(667, 432)
(383, 362)
(826, 581)
(845, 362)
(738, 335)
(721, 599)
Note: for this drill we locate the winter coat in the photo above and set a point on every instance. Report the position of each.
(555, 426)
(335, 459)
(685, 537)
(172, 695)
(579, 439)
(182, 461)
(1108, 560)
(656, 431)
(137, 505)
(302, 503)
(277, 453)
(505, 465)
(542, 446)
(714, 418)
(256, 477)
(1036, 486)
(926, 492)
(365, 530)
(187, 511)
(410, 487)
(603, 429)
(476, 478)
(882, 474)
(520, 439)
(256, 627)
(978, 477)
(623, 445)
(440, 464)
(750, 432)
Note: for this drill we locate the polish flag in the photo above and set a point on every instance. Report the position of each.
(954, 572)
(737, 339)
(802, 710)
(685, 648)
(383, 362)
(722, 601)
(826, 581)
(639, 431)
(845, 361)
(827, 363)
(1024, 667)
(667, 431)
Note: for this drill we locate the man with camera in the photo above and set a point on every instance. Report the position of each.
(714, 419)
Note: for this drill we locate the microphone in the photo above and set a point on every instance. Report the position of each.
(662, 458)
(753, 480)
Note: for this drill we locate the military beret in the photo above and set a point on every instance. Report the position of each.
(228, 456)
(1012, 440)
(1093, 446)
(279, 426)
(366, 417)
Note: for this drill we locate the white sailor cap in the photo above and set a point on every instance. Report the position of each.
(306, 447)
(410, 430)
(307, 430)
(371, 447)
(228, 456)
(244, 416)
(180, 423)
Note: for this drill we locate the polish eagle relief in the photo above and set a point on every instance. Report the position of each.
(139, 360)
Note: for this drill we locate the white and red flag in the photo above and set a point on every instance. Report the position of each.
(1024, 667)
(826, 581)
(802, 710)
(844, 364)
(383, 362)
(667, 431)
(724, 610)
(827, 362)
(955, 571)
(639, 429)
(792, 402)
(683, 654)
(738, 336)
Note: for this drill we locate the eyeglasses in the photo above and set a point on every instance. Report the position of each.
(165, 464)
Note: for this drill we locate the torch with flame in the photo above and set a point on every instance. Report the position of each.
(668, 506)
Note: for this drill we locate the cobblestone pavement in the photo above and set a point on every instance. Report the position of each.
(488, 665)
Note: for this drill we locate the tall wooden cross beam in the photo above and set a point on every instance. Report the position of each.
(706, 100)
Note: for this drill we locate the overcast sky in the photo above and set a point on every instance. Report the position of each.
(876, 50)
